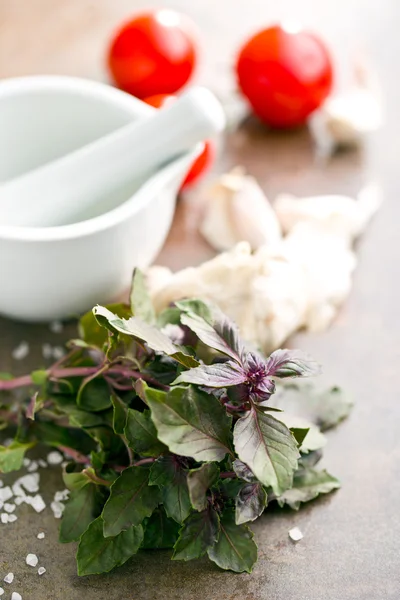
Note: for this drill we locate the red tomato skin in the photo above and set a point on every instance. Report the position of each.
(154, 53)
(201, 165)
(203, 162)
(285, 76)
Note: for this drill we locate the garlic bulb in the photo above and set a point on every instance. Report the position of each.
(327, 263)
(340, 215)
(238, 210)
(265, 295)
(346, 117)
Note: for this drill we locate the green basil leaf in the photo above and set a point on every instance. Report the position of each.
(160, 531)
(199, 482)
(97, 554)
(141, 305)
(307, 485)
(268, 448)
(235, 549)
(12, 456)
(82, 508)
(171, 478)
(94, 394)
(142, 434)
(131, 500)
(95, 334)
(191, 423)
(199, 532)
(120, 414)
(154, 338)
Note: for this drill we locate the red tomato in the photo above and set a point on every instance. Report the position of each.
(285, 75)
(203, 162)
(154, 53)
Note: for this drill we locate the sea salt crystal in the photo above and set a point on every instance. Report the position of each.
(26, 462)
(21, 351)
(1, 483)
(5, 493)
(42, 463)
(32, 560)
(16, 596)
(37, 502)
(47, 351)
(41, 535)
(19, 500)
(4, 518)
(9, 578)
(295, 534)
(29, 482)
(56, 326)
(58, 352)
(41, 570)
(9, 507)
(61, 496)
(57, 508)
(55, 458)
(12, 518)
(33, 466)
(1, 591)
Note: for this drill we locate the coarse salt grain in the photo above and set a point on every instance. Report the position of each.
(29, 482)
(41, 570)
(12, 518)
(9, 507)
(37, 502)
(4, 518)
(9, 578)
(21, 351)
(16, 596)
(57, 508)
(33, 466)
(295, 534)
(55, 458)
(58, 352)
(1, 591)
(47, 351)
(56, 326)
(41, 535)
(61, 496)
(26, 462)
(5, 494)
(32, 560)
(42, 463)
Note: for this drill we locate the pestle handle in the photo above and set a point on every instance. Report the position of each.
(60, 191)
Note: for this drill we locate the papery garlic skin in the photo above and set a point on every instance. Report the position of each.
(327, 262)
(348, 116)
(266, 296)
(237, 209)
(289, 283)
(338, 215)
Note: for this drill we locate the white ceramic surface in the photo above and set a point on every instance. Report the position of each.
(90, 181)
(57, 272)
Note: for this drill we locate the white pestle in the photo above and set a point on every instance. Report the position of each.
(78, 185)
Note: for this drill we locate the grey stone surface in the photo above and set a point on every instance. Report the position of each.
(351, 545)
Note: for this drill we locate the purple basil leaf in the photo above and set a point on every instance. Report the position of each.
(291, 363)
(243, 471)
(250, 503)
(214, 376)
(220, 333)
